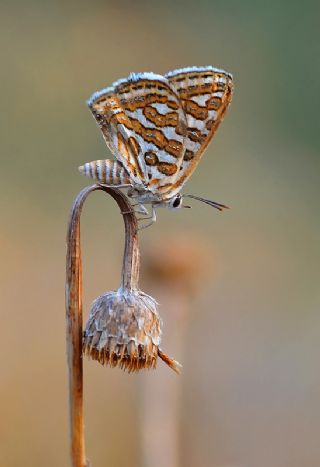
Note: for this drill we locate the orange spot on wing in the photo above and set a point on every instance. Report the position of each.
(166, 168)
(197, 111)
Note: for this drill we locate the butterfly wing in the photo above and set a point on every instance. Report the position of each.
(205, 94)
(144, 126)
(106, 109)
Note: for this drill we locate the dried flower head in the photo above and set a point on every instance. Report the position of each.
(124, 329)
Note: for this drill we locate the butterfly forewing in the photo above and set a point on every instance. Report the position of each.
(204, 94)
(144, 126)
(106, 108)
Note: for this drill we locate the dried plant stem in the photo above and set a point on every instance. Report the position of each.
(74, 306)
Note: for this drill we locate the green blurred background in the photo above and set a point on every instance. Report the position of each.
(249, 394)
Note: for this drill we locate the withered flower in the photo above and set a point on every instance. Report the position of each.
(124, 328)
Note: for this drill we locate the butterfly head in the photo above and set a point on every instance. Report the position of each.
(176, 202)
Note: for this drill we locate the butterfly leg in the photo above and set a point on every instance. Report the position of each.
(141, 210)
(153, 219)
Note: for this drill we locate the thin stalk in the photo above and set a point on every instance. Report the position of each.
(130, 273)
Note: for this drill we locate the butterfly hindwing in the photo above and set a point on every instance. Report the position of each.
(204, 93)
(144, 126)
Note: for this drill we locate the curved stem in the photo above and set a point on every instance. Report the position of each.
(130, 276)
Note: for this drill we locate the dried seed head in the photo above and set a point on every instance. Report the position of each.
(124, 329)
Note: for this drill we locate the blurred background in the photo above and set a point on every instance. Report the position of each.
(238, 291)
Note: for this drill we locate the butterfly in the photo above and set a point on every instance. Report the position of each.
(158, 128)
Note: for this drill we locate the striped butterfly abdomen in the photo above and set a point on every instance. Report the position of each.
(108, 172)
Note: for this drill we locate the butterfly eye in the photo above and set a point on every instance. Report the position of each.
(176, 202)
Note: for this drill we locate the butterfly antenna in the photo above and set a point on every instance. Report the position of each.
(218, 206)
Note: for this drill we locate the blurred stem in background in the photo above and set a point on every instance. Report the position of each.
(172, 271)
